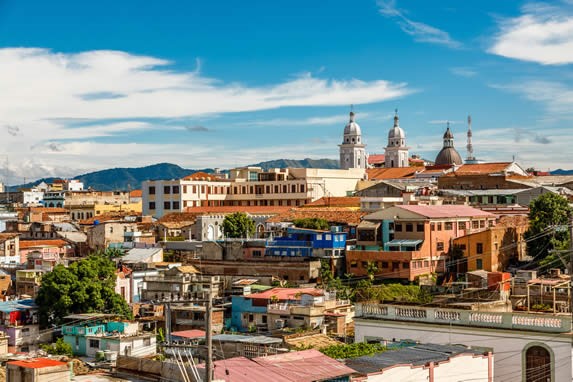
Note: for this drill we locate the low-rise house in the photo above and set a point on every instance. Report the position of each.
(189, 316)
(181, 283)
(308, 243)
(5, 285)
(89, 333)
(421, 362)
(28, 281)
(143, 255)
(19, 320)
(37, 370)
(280, 308)
(104, 233)
(551, 293)
(45, 254)
(10, 249)
(237, 345)
(493, 248)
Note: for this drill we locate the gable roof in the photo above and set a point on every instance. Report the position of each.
(200, 175)
(26, 244)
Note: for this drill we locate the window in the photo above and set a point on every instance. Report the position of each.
(479, 248)
(448, 226)
(409, 227)
(166, 189)
(94, 344)
(175, 189)
(475, 224)
(151, 205)
(440, 246)
(462, 225)
(328, 237)
(420, 227)
(364, 264)
(426, 263)
(462, 247)
(264, 318)
(354, 264)
(439, 226)
(398, 227)
(176, 205)
(433, 227)
(537, 364)
(405, 265)
(479, 264)
(166, 205)
(151, 190)
(251, 318)
(257, 253)
(384, 264)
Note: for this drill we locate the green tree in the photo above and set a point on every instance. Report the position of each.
(371, 270)
(548, 220)
(86, 286)
(58, 348)
(238, 225)
(312, 223)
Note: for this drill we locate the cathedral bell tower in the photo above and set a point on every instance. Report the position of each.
(352, 150)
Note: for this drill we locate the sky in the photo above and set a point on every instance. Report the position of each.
(93, 85)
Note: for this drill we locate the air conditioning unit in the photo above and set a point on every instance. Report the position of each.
(280, 323)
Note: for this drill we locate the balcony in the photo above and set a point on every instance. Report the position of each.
(497, 320)
(278, 308)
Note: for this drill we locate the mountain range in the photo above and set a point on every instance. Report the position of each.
(131, 178)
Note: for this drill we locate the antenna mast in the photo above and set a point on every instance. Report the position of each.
(469, 146)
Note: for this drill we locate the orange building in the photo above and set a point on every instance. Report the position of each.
(408, 241)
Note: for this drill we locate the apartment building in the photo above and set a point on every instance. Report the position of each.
(247, 186)
(407, 241)
(9, 249)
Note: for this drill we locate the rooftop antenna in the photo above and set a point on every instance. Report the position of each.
(469, 146)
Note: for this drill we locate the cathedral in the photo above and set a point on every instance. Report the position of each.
(352, 150)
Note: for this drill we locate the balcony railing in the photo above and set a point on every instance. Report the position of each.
(500, 320)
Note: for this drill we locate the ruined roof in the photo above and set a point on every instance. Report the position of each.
(330, 214)
(285, 293)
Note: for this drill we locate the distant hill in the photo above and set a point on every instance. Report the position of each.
(562, 172)
(304, 163)
(131, 178)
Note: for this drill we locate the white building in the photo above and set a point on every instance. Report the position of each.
(352, 149)
(248, 186)
(526, 347)
(396, 153)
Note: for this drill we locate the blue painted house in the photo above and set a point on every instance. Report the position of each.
(304, 242)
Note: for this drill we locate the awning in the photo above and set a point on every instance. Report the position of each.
(404, 242)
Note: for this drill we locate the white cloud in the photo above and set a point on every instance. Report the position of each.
(463, 71)
(419, 31)
(556, 97)
(50, 100)
(542, 33)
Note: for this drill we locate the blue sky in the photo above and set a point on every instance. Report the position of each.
(92, 85)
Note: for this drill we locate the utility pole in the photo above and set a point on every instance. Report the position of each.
(208, 334)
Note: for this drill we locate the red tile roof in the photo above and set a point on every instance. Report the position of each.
(233, 209)
(49, 210)
(376, 158)
(201, 176)
(446, 211)
(25, 244)
(391, 173)
(480, 169)
(335, 201)
(336, 215)
(37, 363)
(135, 194)
(285, 293)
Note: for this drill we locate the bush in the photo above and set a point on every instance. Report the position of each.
(58, 348)
(352, 350)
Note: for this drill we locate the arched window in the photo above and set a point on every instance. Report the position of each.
(537, 364)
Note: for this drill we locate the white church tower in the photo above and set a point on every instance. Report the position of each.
(396, 153)
(352, 150)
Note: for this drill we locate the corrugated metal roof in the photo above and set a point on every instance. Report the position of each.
(241, 369)
(445, 211)
(262, 340)
(304, 366)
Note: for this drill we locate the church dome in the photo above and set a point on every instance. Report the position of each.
(449, 156)
(352, 128)
(396, 131)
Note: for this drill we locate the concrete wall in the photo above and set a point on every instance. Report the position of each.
(508, 345)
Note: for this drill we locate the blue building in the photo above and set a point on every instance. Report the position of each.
(304, 242)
